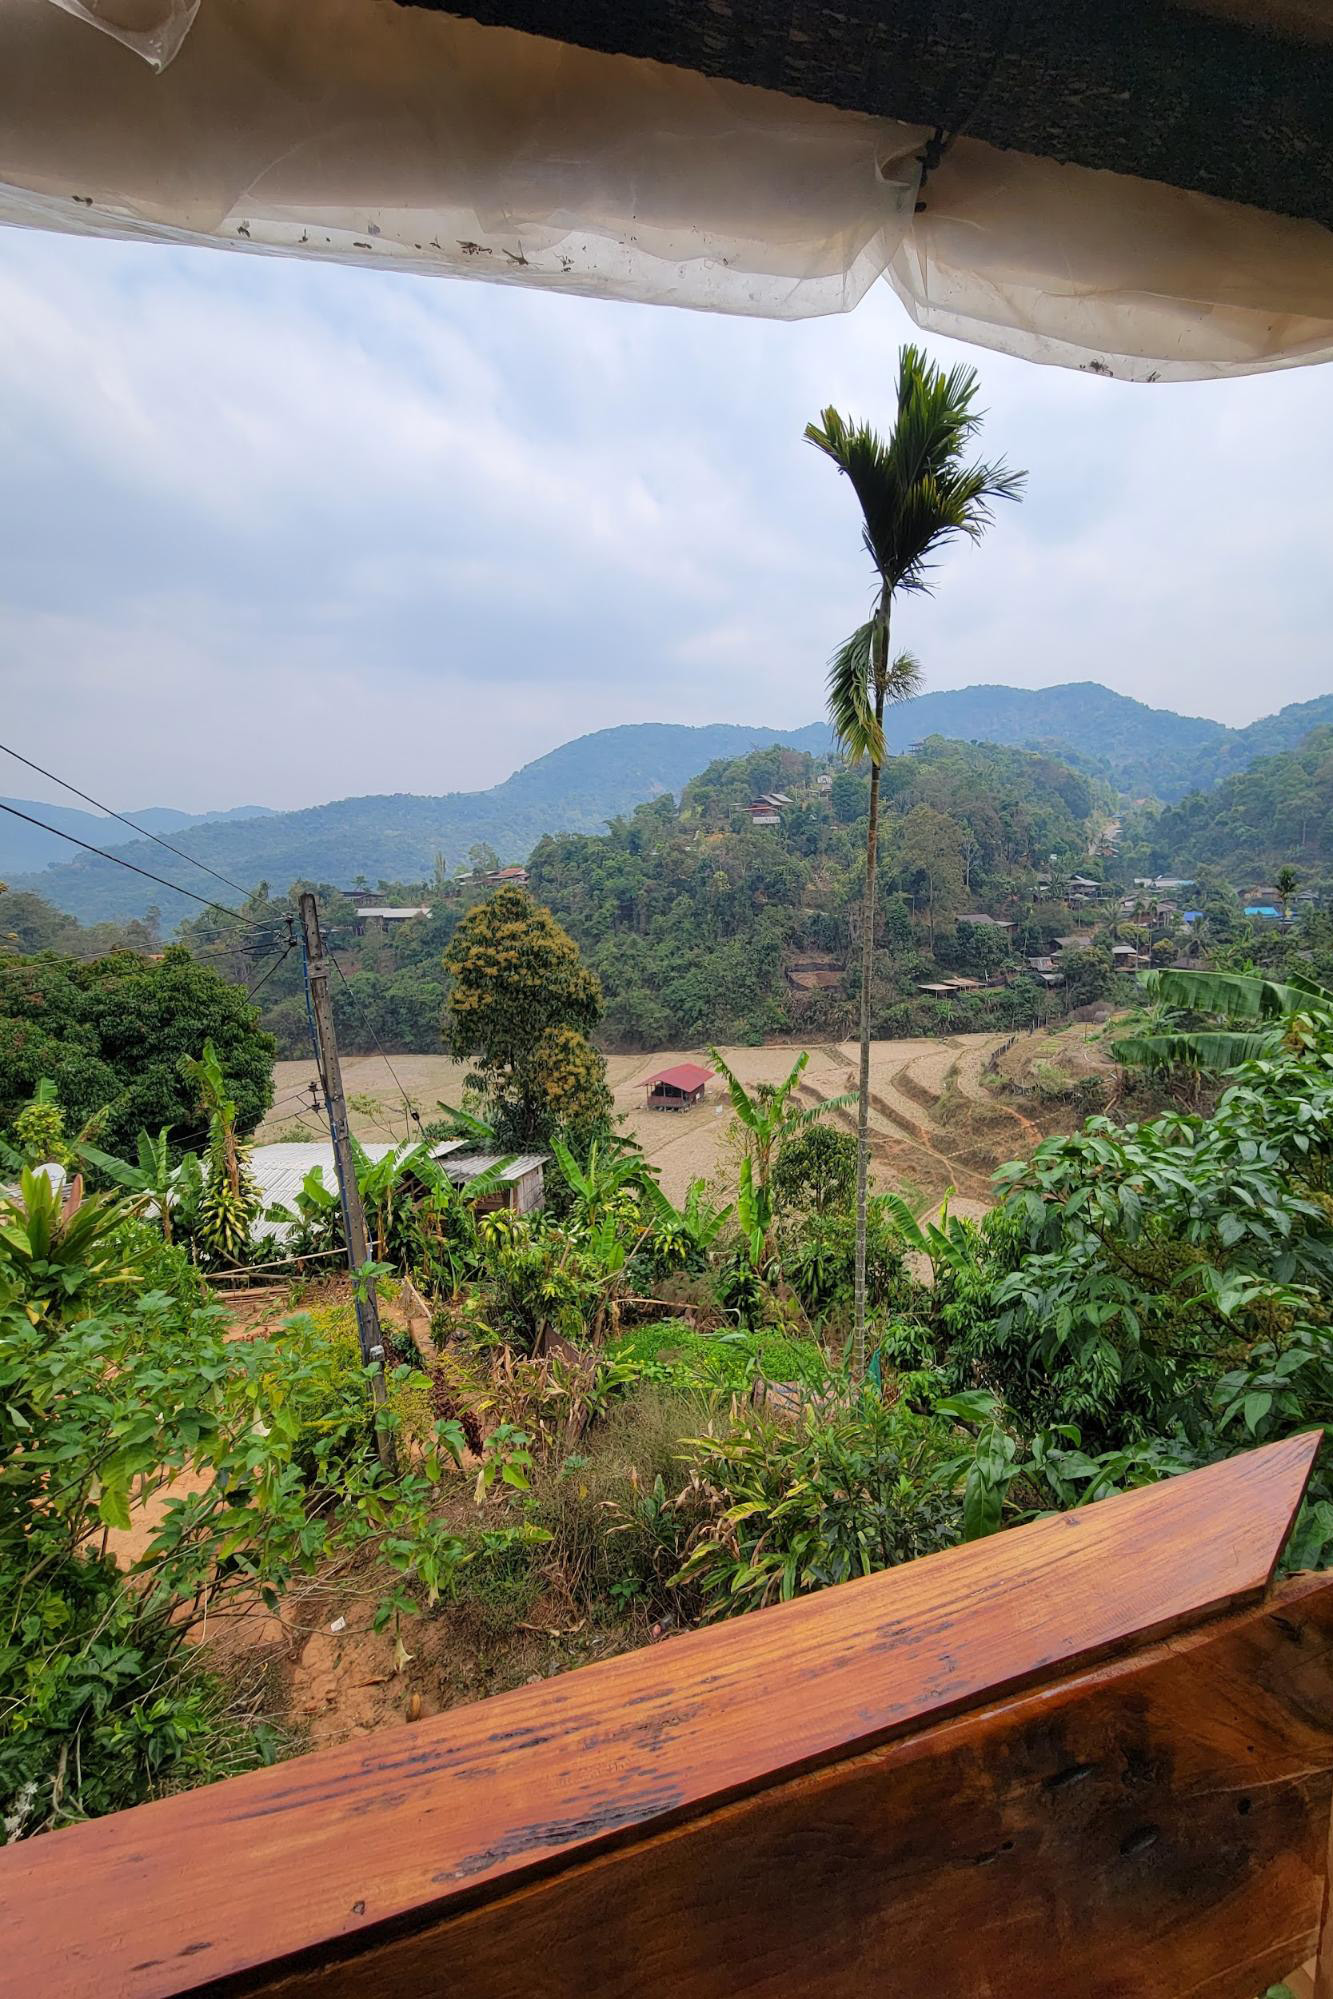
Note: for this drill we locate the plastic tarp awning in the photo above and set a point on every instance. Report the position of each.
(361, 132)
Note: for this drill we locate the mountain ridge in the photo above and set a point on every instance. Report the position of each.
(581, 785)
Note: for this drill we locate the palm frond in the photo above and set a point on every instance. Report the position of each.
(914, 491)
(850, 703)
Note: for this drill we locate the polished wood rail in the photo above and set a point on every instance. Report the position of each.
(1092, 1756)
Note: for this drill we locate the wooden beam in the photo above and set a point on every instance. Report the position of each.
(1155, 1827)
(220, 1889)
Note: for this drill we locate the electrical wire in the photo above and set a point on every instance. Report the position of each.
(281, 959)
(408, 1105)
(142, 831)
(120, 862)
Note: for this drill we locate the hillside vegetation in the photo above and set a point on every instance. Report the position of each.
(577, 788)
(1277, 813)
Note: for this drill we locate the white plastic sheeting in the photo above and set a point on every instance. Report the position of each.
(362, 132)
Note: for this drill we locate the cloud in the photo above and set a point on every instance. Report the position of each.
(277, 533)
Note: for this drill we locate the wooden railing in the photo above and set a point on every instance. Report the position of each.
(1087, 1759)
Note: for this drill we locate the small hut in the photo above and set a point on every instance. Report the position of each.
(676, 1089)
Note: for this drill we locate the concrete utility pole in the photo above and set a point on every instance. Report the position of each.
(354, 1219)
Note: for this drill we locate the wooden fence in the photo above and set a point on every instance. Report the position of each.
(1086, 1759)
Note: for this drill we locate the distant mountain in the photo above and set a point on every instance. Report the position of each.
(395, 837)
(1142, 751)
(1278, 813)
(23, 846)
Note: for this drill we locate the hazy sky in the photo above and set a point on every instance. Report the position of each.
(274, 533)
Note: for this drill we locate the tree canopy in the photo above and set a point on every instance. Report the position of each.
(113, 1034)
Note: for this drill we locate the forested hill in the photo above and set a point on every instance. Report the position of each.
(397, 836)
(700, 925)
(1277, 813)
(1141, 751)
(704, 926)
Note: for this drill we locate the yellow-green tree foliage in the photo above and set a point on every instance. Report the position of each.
(521, 1003)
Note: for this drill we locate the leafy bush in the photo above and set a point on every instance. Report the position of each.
(617, 1535)
(792, 1508)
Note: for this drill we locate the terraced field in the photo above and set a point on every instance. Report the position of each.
(934, 1122)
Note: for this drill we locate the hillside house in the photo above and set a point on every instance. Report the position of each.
(980, 922)
(279, 1170)
(678, 1088)
(506, 877)
(378, 918)
(521, 1191)
(767, 811)
(1127, 958)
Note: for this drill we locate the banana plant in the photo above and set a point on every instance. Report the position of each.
(312, 1224)
(166, 1188)
(1251, 1017)
(611, 1183)
(683, 1235)
(769, 1115)
(230, 1200)
(770, 1118)
(58, 1246)
(948, 1244)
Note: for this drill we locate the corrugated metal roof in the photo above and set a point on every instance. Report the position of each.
(278, 1171)
(471, 1165)
(416, 909)
(685, 1076)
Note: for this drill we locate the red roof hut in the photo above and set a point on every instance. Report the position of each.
(676, 1089)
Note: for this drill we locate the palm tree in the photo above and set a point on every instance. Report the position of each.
(916, 494)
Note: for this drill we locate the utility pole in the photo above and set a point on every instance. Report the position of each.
(354, 1219)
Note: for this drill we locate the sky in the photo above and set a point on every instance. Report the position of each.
(274, 533)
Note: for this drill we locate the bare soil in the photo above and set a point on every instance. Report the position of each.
(943, 1113)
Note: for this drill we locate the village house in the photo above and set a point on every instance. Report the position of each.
(678, 1088)
(279, 1170)
(986, 922)
(767, 811)
(378, 918)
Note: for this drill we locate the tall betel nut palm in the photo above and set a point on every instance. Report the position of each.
(915, 494)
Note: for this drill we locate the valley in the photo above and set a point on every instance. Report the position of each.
(944, 1112)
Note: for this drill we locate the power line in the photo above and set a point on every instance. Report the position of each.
(120, 862)
(143, 831)
(408, 1105)
(281, 958)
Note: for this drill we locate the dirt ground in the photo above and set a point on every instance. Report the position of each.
(940, 1117)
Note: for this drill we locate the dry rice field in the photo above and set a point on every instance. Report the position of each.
(935, 1123)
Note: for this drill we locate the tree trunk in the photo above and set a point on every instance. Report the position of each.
(867, 963)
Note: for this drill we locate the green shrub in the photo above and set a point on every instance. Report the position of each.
(617, 1536)
(795, 1507)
